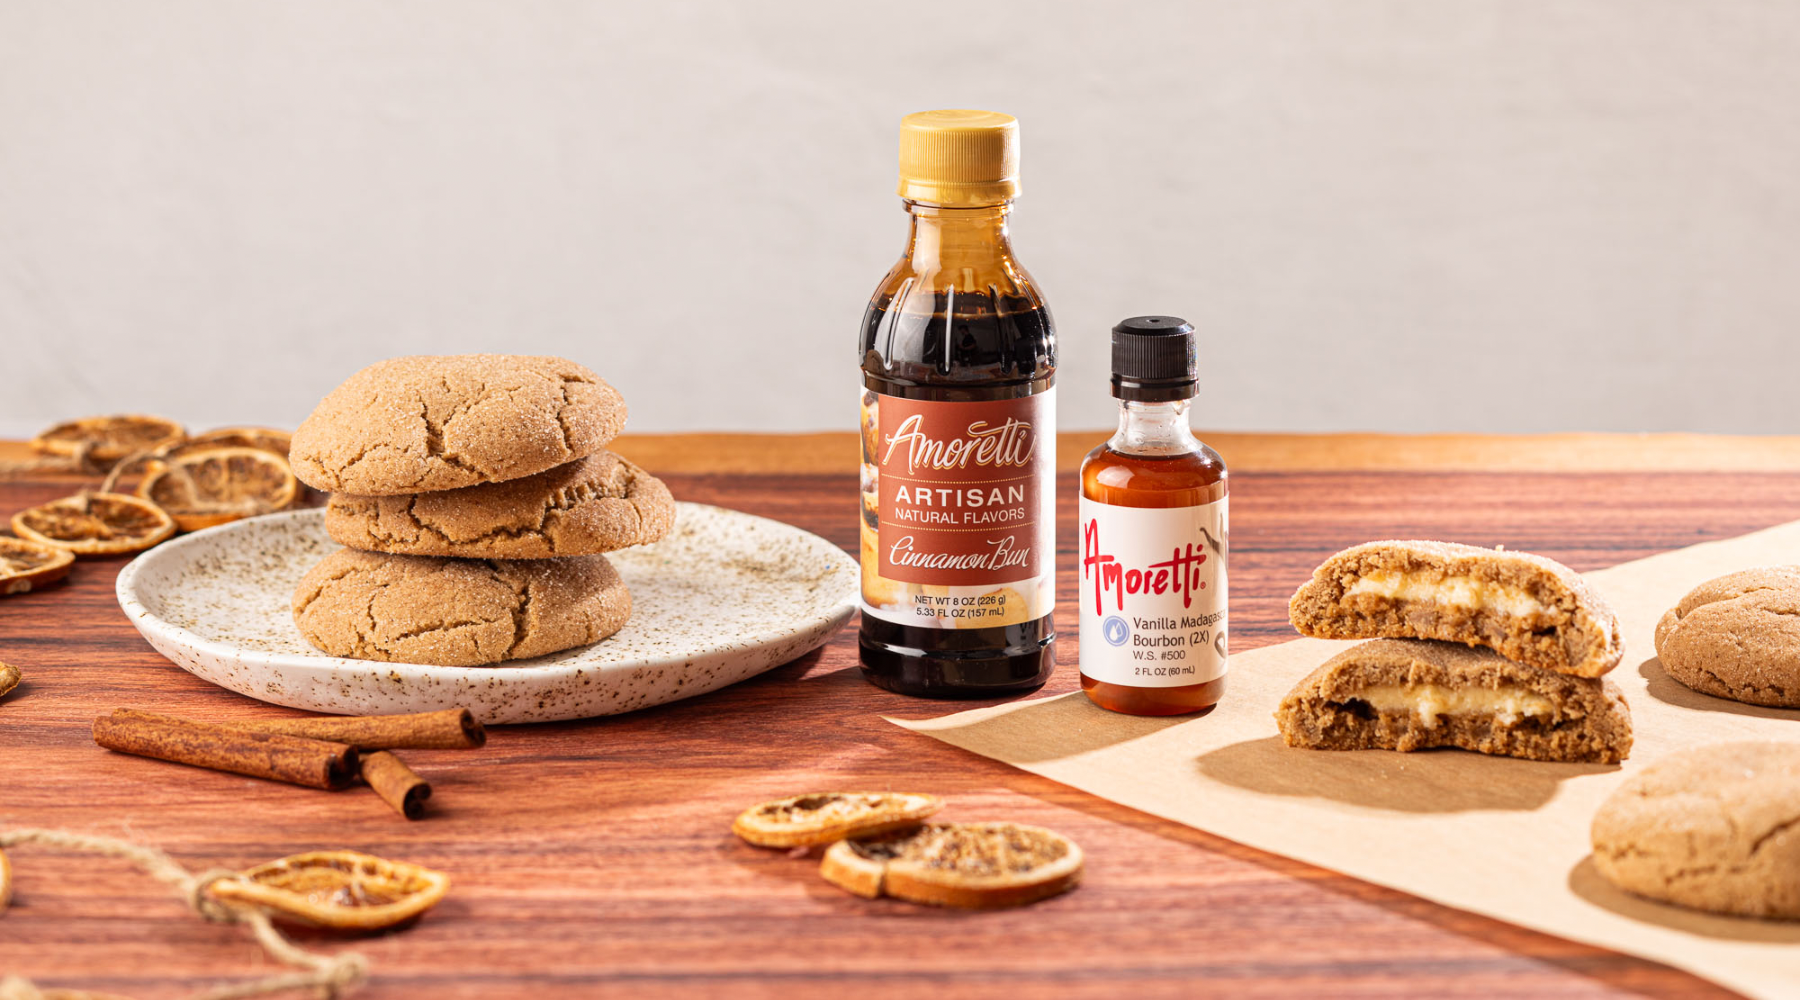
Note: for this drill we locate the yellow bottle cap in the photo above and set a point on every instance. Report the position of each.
(959, 159)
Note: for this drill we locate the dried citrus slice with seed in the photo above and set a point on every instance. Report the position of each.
(95, 524)
(26, 565)
(205, 488)
(342, 890)
(264, 438)
(108, 439)
(824, 817)
(979, 866)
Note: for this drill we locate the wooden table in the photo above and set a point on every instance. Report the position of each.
(594, 858)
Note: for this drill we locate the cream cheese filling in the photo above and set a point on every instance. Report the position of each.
(1456, 591)
(1508, 705)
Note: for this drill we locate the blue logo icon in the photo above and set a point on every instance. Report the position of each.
(1115, 631)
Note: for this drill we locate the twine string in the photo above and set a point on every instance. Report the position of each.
(329, 976)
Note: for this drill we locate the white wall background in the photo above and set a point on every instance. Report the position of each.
(1408, 215)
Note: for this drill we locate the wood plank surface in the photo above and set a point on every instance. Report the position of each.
(594, 858)
(826, 453)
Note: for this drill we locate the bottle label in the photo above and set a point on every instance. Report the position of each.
(958, 510)
(1152, 593)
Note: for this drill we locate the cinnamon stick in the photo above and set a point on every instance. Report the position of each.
(450, 729)
(9, 678)
(396, 783)
(274, 756)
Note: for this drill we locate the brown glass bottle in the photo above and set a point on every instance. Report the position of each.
(957, 330)
(1154, 461)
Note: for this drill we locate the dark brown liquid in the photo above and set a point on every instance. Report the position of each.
(1123, 480)
(970, 347)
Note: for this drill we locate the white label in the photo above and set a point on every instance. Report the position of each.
(1152, 593)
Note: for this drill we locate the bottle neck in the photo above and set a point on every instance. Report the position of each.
(949, 237)
(1154, 429)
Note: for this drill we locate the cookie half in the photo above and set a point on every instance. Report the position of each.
(1527, 608)
(423, 423)
(597, 504)
(457, 612)
(978, 866)
(1715, 828)
(1414, 694)
(1738, 637)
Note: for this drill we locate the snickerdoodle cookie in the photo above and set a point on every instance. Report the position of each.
(1527, 608)
(416, 424)
(597, 504)
(1413, 694)
(1738, 637)
(457, 612)
(1715, 828)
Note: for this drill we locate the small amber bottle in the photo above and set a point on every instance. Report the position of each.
(1153, 537)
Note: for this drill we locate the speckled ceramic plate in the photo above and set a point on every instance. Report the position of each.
(726, 596)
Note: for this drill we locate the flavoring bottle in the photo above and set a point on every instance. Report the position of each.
(958, 356)
(1153, 537)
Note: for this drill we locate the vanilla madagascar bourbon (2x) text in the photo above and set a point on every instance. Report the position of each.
(958, 431)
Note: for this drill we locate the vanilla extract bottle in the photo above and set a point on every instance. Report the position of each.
(958, 356)
(1153, 537)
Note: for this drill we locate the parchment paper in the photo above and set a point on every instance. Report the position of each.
(1497, 836)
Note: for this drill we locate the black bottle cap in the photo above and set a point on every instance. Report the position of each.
(1153, 359)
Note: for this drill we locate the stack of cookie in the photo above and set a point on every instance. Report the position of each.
(1493, 651)
(475, 497)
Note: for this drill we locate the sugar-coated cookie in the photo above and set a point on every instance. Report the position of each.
(1714, 828)
(457, 612)
(597, 504)
(417, 424)
(1737, 637)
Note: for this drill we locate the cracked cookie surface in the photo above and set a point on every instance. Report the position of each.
(457, 612)
(1737, 637)
(597, 504)
(424, 423)
(1715, 828)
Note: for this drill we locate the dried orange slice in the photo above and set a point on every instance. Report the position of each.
(342, 890)
(827, 817)
(978, 866)
(108, 439)
(5, 881)
(264, 438)
(205, 488)
(95, 524)
(29, 565)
